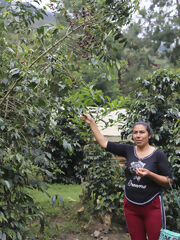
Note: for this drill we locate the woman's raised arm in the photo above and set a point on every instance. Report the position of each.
(101, 140)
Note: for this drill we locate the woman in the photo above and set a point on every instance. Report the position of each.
(146, 173)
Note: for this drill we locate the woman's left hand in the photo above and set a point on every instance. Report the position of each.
(142, 172)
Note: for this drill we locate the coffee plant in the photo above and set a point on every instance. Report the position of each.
(37, 79)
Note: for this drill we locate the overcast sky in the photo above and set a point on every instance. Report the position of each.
(143, 3)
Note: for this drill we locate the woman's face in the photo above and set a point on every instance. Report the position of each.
(140, 135)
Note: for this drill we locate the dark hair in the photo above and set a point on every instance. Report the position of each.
(148, 126)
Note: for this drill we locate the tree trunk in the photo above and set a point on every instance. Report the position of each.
(178, 8)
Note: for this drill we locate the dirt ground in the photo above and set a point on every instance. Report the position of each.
(109, 236)
(97, 231)
(86, 237)
(75, 225)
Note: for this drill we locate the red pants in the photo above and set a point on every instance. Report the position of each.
(143, 221)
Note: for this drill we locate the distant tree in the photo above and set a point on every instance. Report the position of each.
(160, 24)
(151, 41)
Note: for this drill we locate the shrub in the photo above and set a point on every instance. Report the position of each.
(105, 181)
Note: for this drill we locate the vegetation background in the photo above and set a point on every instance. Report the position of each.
(57, 61)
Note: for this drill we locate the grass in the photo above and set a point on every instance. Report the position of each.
(62, 216)
(68, 192)
(64, 195)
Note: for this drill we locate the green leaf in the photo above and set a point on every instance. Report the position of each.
(6, 183)
(124, 40)
(94, 61)
(10, 50)
(5, 81)
(19, 157)
(40, 30)
(42, 102)
(67, 145)
(19, 236)
(14, 71)
(69, 55)
(118, 65)
(177, 141)
(2, 127)
(61, 200)
(53, 199)
(2, 236)
(49, 174)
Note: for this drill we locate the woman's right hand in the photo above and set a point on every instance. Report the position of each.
(87, 118)
(97, 134)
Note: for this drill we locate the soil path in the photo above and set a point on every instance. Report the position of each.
(98, 228)
(97, 233)
(86, 237)
(110, 236)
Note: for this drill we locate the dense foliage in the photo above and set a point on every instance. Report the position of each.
(105, 181)
(36, 81)
(67, 152)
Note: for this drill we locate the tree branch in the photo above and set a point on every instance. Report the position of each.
(6, 109)
(12, 86)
